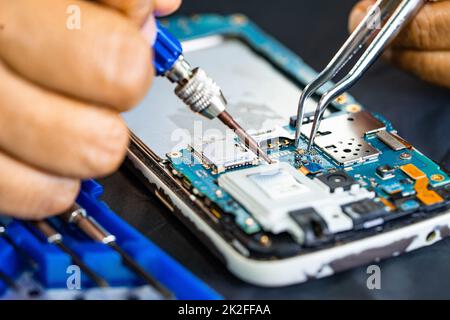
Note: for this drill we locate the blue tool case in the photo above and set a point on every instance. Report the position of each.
(52, 269)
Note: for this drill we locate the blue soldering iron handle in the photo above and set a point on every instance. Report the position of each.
(193, 86)
(167, 50)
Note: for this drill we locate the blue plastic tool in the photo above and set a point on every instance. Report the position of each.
(53, 263)
(167, 50)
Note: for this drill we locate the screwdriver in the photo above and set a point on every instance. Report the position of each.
(23, 254)
(195, 88)
(56, 238)
(78, 216)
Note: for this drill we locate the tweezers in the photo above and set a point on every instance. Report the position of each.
(381, 25)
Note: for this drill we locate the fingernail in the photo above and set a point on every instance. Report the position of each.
(149, 30)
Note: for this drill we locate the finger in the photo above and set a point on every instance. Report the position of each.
(166, 7)
(58, 134)
(139, 10)
(28, 193)
(162, 8)
(136, 10)
(431, 66)
(429, 30)
(105, 61)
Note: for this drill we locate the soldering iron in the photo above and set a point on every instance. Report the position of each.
(194, 87)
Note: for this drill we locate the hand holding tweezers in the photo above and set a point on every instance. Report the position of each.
(381, 25)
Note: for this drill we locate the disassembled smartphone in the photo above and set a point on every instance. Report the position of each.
(363, 193)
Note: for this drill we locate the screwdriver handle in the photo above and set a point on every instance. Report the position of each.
(47, 230)
(77, 215)
(167, 50)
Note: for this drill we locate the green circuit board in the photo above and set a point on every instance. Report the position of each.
(204, 180)
(392, 182)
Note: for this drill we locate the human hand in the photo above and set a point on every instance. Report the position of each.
(423, 48)
(61, 92)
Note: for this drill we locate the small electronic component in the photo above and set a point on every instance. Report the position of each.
(390, 140)
(342, 137)
(413, 172)
(388, 204)
(315, 229)
(403, 141)
(426, 196)
(338, 180)
(304, 170)
(277, 138)
(313, 167)
(365, 212)
(444, 192)
(385, 172)
(392, 187)
(224, 154)
(409, 205)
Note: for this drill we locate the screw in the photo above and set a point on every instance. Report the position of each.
(405, 156)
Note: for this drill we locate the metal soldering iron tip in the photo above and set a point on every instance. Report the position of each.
(249, 142)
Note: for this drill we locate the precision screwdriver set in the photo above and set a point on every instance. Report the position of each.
(89, 253)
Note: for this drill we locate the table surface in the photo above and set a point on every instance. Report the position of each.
(420, 112)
